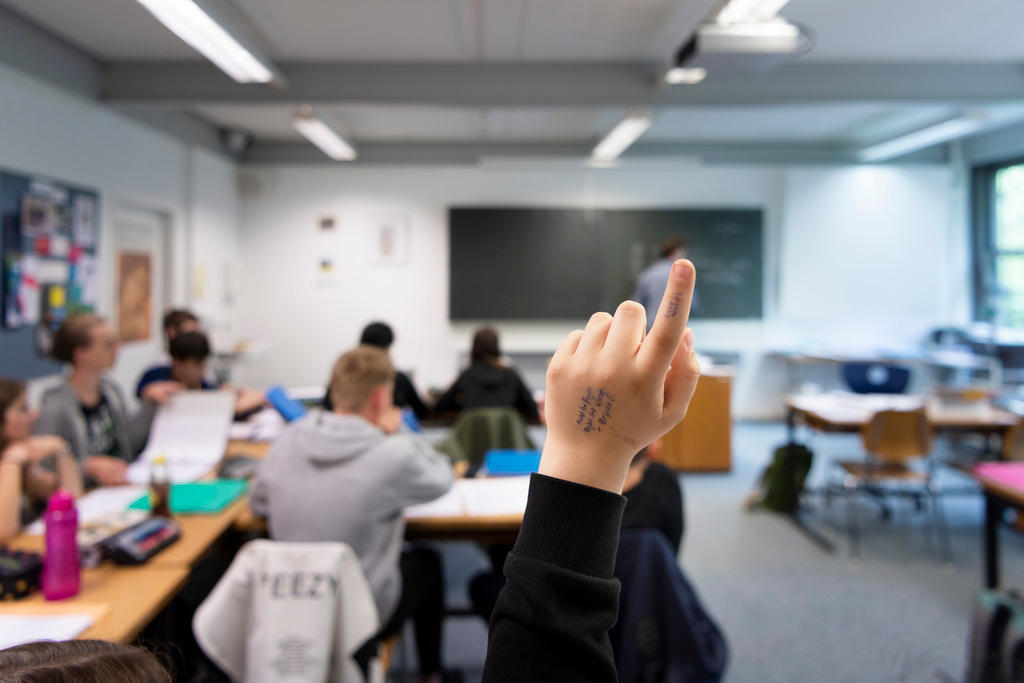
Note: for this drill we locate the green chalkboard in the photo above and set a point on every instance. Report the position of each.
(536, 263)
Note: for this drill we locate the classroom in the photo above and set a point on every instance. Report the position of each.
(505, 340)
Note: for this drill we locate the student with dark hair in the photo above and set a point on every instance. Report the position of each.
(654, 497)
(610, 392)
(189, 353)
(31, 467)
(179, 321)
(487, 382)
(80, 661)
(380, 335)
(346, 475)
(88, 409)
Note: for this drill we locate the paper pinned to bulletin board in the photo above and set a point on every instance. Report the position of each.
(48, 242)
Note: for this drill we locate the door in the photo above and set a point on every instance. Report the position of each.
(140, 290)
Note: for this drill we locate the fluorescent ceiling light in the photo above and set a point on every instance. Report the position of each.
(624, 134)
(188, 21)
(685, 75)
(945, 131)
(749, 11)
(323, 136)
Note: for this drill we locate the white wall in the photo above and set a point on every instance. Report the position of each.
(48, 132)
(876, 245)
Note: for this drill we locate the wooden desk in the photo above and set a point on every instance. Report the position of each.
(999, 495)
(483, 529)
(702, 442)
(132, 596)
(843, 412)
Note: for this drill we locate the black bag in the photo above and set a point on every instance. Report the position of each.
(995, 651)
(783, 480)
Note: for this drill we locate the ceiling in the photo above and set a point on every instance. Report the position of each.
(979, 37)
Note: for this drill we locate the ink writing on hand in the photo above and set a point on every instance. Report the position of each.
(673, 305)
(595, 410)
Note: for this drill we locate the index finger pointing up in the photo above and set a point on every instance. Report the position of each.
(660, 345)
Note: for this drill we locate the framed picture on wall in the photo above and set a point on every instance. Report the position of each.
(390, 234)
(134, 295)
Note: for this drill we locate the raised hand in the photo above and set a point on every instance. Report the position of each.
(611, 390)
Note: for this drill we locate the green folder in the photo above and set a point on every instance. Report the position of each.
(201, 497)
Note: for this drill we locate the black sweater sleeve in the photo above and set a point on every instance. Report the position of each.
(552, 619)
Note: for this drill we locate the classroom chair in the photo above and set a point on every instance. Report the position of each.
(875, 378)
(1013, 442)
(891, 440)
(275, 595)
(479, 430)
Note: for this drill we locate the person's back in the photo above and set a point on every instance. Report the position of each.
(333, 477)
(490, 386)
(346, 475)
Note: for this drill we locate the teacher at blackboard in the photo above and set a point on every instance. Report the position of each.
(651, 283)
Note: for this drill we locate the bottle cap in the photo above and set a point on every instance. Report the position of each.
(60, 500)
(160, 460)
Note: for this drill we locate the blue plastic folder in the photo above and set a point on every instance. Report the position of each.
(201, 497)
(289, 408)
(511, 462)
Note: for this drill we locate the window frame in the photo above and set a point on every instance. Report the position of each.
(983, 234)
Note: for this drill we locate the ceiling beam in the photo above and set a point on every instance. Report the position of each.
(468, 153)
(38, 53)
(188, 84)
(34, 51)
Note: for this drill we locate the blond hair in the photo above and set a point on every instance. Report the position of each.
(356, 374)
(75, 333)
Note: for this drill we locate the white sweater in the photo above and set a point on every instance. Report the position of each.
(289, 612)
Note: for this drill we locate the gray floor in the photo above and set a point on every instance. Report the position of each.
(792, 612)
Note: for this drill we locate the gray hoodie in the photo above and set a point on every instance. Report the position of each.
(333, 477)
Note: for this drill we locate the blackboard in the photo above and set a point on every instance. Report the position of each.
(49, 234)
(537, 264)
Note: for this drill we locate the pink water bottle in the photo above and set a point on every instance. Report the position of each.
(60, 566)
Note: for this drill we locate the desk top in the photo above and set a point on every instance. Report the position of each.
(852, 411)
(130, 598)
(1005, 479)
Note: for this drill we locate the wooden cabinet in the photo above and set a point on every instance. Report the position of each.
(702, 442)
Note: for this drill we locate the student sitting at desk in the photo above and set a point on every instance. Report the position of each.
(379, 335)
(179, 321)
(88, 410)
(189, 354)
(346, 475)
(487, 383)
(654, 497)
(31, 467)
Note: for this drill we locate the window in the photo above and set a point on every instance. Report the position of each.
(999, 244)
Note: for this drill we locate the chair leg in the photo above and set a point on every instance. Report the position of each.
(941, 529)
(851, 519)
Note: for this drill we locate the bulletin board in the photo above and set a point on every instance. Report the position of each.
(49, 240)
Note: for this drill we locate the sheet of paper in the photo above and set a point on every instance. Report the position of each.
(191, 431)
(98, 505)
(494, 496)
(16, 629)
(448, 505)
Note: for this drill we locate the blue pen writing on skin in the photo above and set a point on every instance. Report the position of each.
(595, 410)
(673, 305)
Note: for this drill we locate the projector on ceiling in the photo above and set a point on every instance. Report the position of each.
(743, 47)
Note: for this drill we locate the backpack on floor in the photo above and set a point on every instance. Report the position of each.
(995, 651)
(783, 480)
